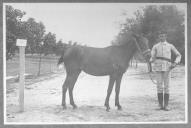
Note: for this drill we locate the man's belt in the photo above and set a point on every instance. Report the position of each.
(163, 58)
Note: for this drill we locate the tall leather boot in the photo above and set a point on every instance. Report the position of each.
(160, 100)
(166, 99)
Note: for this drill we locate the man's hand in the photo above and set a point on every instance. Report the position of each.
(151, 60)
(173, 65)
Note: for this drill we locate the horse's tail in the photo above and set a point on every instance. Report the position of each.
(61, 59)
(70, 52)
(64, 53)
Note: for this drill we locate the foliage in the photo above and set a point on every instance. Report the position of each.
(13, 29)
(34, 33)
(49, 43)
(60, 47)
(31, 30)
(151, 19)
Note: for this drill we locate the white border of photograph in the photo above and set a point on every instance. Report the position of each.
(45, 123)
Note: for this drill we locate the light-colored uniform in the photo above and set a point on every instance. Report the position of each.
(163, 49)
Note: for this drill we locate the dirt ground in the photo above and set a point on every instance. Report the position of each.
(137, 97)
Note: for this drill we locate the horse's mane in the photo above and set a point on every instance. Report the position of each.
(124, 39)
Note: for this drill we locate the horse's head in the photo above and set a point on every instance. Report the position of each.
(143, 46)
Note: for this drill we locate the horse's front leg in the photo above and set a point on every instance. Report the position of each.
(109, 90)
(117, 91)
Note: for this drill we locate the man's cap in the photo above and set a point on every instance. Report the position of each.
(162, 32)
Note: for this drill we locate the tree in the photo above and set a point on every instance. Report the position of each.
(60, 47)
(30, 30)
(49, 43)
(13, 29)
(149, 20)
(34, 32)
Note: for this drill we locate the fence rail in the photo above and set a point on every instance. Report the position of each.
(48, 65)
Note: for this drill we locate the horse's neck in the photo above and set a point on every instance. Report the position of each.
(129, 51)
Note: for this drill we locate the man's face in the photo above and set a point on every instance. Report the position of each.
(162, 37)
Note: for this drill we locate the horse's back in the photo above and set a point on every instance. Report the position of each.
(104, 61)
(95, 61)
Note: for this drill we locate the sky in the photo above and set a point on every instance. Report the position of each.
(92, 24)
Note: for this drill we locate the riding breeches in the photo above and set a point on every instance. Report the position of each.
(163, 79)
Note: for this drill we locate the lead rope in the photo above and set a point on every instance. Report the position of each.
(153, 81)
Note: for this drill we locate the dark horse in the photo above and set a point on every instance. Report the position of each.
(112, 61)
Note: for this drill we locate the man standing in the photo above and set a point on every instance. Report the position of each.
(161, 56)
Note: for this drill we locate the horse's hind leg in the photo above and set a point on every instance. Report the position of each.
(73, 79)
(69, 84)
(109, 90)
(117, 90)
(64, 90)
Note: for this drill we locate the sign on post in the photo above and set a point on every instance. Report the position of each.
(21, 44)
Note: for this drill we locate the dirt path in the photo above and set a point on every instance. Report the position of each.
(137, 96)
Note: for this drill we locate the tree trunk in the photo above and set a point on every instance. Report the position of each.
(39, 66)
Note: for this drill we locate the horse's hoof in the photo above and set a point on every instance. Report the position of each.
(74, 106)
(64, 107)
(107, 109)
(119, 108)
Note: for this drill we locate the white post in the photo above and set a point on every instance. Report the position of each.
(22, 77)
(21, 44)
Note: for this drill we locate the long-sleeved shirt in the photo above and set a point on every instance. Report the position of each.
(163, 49)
